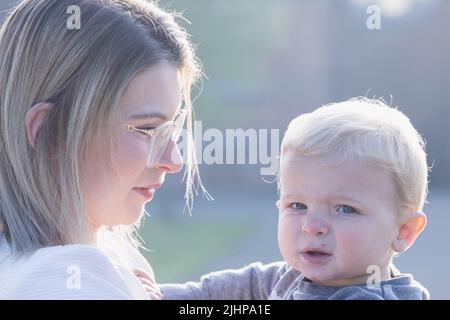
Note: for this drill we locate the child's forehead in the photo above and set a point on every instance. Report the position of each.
(331, 160)
(334, 177)
(330, 166)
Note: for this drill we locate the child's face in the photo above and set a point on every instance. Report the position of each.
(336, 220)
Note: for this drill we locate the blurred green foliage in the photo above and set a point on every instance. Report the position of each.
(179, 247)
(233, 42)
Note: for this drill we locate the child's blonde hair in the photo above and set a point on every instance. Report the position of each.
(369, 130)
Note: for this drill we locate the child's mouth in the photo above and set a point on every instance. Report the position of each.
(316, 253)
(316, 256)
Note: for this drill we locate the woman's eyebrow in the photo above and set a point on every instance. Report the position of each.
(149, 115)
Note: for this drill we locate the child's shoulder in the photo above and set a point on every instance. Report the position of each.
(404, 287)
(401, 287)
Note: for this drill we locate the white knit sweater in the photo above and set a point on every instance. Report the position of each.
(72, 272)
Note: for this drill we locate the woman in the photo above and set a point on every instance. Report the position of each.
(89, 119)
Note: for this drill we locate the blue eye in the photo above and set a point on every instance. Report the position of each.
(346, 209)
(298, 206)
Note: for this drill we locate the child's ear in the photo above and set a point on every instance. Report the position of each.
(409, 227)
(278, 204)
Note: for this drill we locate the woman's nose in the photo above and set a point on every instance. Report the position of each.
(314, 224)
(171, 161)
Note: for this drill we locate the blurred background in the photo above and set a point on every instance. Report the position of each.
(268, 61)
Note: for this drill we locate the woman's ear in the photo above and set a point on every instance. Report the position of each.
(34, 118)
(410, 226)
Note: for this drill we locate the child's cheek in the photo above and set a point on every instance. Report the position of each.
(288, 233)
(353, 242)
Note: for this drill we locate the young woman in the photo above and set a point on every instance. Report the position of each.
(89, 119)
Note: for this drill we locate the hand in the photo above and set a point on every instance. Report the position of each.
(149, 284)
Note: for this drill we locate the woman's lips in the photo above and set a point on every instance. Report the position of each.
(147, 192)
(316, 257)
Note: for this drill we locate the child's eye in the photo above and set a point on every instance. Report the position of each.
(346, 209)
(298, 206)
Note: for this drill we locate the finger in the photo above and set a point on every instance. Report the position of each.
(154, 297)
(153, 290)
(141, 273)
(144, 274)
(146, 282)
(154, 293)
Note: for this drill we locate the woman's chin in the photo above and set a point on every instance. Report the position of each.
(131, 216)
(134, 217)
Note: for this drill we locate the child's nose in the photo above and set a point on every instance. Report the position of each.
(314, 225)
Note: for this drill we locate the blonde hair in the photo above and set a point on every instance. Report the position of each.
(369, 130)
(84, 73)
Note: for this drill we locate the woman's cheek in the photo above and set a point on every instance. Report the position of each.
(132, 153)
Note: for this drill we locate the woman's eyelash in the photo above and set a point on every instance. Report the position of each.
(147, 128)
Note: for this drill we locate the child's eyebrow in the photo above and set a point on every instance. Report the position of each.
(348, 198)
(291, 197)
(341, 196)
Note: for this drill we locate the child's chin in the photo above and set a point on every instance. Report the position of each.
(312, 274)
(317, 277)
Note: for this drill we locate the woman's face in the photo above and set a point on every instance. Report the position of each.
(115, 194)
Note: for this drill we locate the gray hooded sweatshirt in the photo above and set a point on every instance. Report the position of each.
(278, 281)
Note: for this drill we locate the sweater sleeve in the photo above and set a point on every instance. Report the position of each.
(356, 293)
(253, 282)
(71, 272)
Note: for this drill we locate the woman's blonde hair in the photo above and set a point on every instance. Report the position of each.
(84, 73)
(368, 130)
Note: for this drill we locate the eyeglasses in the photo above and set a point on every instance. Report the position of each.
(159, 138)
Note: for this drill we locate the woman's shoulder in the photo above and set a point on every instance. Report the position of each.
(122, 251)
(62, 272)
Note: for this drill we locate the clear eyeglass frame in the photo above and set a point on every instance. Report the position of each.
(161, 136)
(176, 123)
